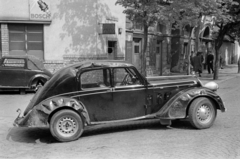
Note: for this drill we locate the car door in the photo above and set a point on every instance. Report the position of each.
(129, 94)
(12, 73)
(96, 94)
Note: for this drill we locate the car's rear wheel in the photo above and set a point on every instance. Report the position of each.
(66, 125)
(202, 113)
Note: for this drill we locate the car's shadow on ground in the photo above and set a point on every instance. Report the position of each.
(43, 135)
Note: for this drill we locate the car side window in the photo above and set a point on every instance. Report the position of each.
(95, 79)
(14, 63)
(32, 66)
(125, 76)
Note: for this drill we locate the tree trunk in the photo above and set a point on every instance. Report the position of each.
(189, 52)
(216, 65)
(239, 65)
(218, 43)
(143, 68)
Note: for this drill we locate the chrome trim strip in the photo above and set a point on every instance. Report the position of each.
(112, 90)
(156, 87)
(174, 76)
(86, 94)
(172, 83)
(150, 116)
(121, 89)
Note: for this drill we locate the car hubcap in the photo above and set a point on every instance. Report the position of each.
(204, 114)
(67, 126)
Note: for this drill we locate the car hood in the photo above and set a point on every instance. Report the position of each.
(61, 82)
(156, 80)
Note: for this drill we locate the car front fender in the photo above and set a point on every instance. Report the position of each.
(177, 106)
(40, 114)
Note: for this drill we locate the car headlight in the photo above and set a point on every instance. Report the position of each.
(211, 85)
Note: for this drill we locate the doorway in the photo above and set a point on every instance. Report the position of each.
(112, 50)
(137, 50)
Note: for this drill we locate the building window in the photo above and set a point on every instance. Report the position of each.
(138, 24)
(0, 41)
(161, 28)
(137, 45)
(25, 37)
(158, 46)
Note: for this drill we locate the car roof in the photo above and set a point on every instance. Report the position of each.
(100, 63)
(21, 56)
(15, 56)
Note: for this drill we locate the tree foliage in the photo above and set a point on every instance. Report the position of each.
(148, 12)
(226, 15)
(227, 21)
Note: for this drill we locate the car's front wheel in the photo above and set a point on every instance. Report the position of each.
(202, 113)
(66, 125)
(38, 86)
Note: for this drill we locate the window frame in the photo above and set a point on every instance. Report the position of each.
(94, 88)
(28, 29)
(129, 70)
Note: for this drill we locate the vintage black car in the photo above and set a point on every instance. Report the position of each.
(100, 92)
(22, 73)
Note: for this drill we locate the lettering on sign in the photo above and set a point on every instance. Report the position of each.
(40, 16)
(40, 10)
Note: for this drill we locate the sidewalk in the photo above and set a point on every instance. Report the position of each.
(226, 73)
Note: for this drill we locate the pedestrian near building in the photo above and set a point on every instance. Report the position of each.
(221, 62)
(197, 63)
(210, 59)
(191, 66)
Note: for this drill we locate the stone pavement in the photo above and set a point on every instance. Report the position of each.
(228, 72)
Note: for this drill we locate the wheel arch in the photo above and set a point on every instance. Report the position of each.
(66, 108)
(178, 106)
(60, 103)
(36, 78)
(208, 97)
(41, 114)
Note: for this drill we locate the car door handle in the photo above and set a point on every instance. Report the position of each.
(111, 90)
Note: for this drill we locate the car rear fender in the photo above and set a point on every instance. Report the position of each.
(177, 106)
(36, 78)
(41, 114)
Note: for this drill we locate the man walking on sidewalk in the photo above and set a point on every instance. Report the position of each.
(210, 59)
(197, 63)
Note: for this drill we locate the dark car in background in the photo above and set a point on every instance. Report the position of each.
(105, 92)
(22, 73)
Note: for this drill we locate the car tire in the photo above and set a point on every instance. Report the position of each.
(38, 86)
(66, 125)
(202, 113)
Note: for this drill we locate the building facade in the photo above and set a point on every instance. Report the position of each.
(61, 32)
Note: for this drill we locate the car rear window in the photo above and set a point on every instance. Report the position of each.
(32, 66)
